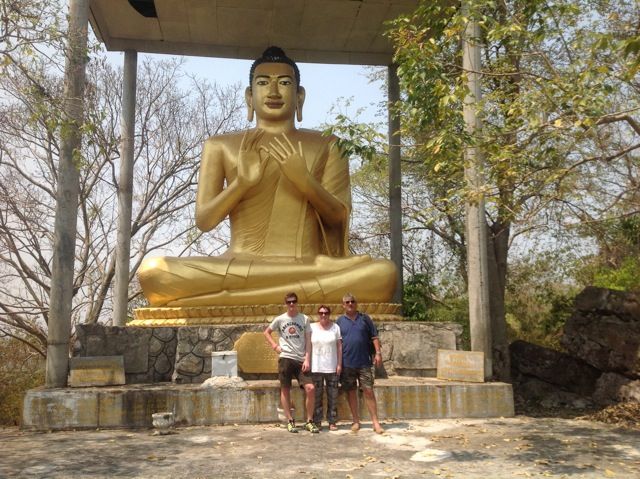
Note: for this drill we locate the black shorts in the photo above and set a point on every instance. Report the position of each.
(289, 369)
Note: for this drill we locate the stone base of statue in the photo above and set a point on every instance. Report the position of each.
(169, 369)
(213, 315)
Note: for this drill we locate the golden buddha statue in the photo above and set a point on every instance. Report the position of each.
(287, 194)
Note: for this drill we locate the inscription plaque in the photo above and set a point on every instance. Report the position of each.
(460, 365)
(96, 371)
(255, 355)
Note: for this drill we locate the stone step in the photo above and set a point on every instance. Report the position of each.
(257, 402)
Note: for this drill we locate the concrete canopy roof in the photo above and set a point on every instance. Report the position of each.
(315, 31)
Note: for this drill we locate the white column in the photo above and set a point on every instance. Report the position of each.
(478, 273)
(395, 180)
(65, 229)
(125, 189)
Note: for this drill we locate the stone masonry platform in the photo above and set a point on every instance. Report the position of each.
(131, 406)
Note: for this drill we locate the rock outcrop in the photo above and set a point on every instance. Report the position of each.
(604, 331)
(602, 362)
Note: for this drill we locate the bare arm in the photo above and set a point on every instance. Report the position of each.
(377, 360)
(267, 334)
(306, 365)
(339, 348)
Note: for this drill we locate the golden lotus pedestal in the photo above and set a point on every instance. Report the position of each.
(217, 315)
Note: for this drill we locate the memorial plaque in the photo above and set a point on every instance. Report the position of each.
(255, 355)
(460, 365)
(96, 371)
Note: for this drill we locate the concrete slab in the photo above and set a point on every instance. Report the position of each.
(518, 447)
(193, 405)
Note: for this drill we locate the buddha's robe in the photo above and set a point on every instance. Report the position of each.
(279, 243)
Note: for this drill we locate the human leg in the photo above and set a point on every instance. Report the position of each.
(332, 398)
(285, 401)
(349, 380)
(365, 379)
(286, 368)
(306, 381)
(318, 382)
(372, 407)
(310, 399)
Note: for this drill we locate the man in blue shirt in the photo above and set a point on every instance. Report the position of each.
(358, 334)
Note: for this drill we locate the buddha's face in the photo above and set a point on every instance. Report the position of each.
(274, 94)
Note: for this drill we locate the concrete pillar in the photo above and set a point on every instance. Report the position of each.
(477, 262)
(125, 189)
(61, 293)
(395, 180)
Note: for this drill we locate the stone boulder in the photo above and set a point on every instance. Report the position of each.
(604, 331)
(613, 388)
(552, 367)
(531, 392)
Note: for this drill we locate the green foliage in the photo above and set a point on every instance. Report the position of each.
(550, 69)
(617, 263)
(420, 304)
(21, 369)
(538, 300)
(624, 278)
(360, 140)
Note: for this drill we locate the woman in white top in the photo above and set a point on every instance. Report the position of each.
(326, 365)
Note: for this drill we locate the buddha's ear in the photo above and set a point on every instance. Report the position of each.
(248, 97)
(301, 95)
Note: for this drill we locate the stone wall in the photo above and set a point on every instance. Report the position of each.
(410, 348)
(149, 353)
(183, 355)
(195, 345)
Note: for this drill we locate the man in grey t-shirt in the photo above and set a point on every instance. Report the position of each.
(294, 347)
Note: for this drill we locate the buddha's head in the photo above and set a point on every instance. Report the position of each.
(274, 91)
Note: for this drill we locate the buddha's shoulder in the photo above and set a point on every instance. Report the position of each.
(226, 139)
(315, 136)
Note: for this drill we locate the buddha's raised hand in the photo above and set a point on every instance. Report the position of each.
(291, 160)
(251, 159)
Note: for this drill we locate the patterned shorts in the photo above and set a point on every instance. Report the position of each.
(354, 377)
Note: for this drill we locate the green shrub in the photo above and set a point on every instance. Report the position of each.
(419, 305)
(624, 278)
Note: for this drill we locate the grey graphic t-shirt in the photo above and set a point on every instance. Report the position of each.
(291, 331)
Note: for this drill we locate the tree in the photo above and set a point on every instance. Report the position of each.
(560, 114)
(174, 116)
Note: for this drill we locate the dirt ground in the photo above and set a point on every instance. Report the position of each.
(450, 448)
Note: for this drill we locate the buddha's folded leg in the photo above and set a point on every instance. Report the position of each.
(372, 281)
(165, 279)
